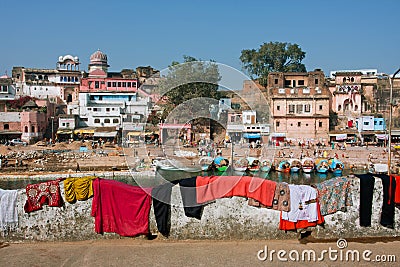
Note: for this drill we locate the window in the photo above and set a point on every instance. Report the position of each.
(26, 129)
(299, 108)
(306, 90)
(281, 91)
(108, 84)
(67, 124)
(291, 108)
(307, 108)
(233, 119)
(115, 120)
(356, 108)
(96, 84)
(306, 124)
(301, 82)
(123, 84)
(114, 84)
(380, 123)
(106, 120)
(276, 81)
(277, 124)
(316, 81)
(320, 107)
(63, 124)
(4, 88)
(84, 119)
(129, 84)
(108, 109)
(96, 120)
(6, 126)
(288, 82)
(366, 123)
(278, 107)
(339, 107)
(89, 108)
(119, 84)
(248, 117)
(320, 124)
(298, 124)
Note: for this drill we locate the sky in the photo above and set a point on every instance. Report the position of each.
(336, 35)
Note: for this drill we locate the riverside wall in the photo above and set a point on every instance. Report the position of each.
(223, 219)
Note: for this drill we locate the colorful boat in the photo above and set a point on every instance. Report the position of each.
(336, 166)
(265, 165)
(220, 164)
(321, 165)
(295, 165)
(307, 165)
(240, 165)
(378, 168)
(205, 163)
(284, 166)
(253, 165)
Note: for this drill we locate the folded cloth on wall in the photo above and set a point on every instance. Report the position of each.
(161, 196)
(120, 208)
(281, 200)
(303, 204)
(209, 188)
(43, 193)
(334, 195)
(389, 191)
(397, 191)
(367, 182)
(301, 224)
(78, 188)
(8, 209)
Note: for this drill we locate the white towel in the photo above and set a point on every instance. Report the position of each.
(8, 210)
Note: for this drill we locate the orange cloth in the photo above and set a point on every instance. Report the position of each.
(397, 194)
(300, 224)
(209, 188)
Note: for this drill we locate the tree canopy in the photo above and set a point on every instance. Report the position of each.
(272, 57)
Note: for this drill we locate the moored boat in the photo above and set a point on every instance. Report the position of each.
(336, 166)
(205, 163)
(253, 164)
(307, 165)
(295, 165)
(284, 166)
(321, 165)
(265, 165)
(240, 165)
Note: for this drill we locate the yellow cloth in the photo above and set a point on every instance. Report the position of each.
(78, 188)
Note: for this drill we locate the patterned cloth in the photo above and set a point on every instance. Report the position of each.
(43, 193)
(281, 199)
(334, 195)
(78, 188)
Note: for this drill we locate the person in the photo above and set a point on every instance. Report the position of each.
(78, 168)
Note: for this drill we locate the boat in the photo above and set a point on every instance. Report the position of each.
(205, 163)
(265, 165)
(321, 165)
(307, 165)
(284, 166)
(378, 168)
(336, 166)
(295, 165)
(253, 165)
(220, 164)
(240, 165)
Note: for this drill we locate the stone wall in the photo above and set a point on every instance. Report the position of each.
(223, 219)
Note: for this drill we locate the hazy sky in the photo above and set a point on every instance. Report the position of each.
(336, 35)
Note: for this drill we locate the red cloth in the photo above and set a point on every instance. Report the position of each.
(300, 224)
(43, 193)
(209, 188)
(120, 208)
(397, 194)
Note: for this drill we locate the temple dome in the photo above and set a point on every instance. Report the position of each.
(98, 57)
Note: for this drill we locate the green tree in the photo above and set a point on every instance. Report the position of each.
(272, 57)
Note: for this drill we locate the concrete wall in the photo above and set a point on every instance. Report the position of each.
(224, 219)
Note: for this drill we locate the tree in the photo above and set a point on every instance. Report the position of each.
(272, 57)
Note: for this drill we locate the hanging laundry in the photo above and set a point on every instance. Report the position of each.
(334, 195)
(281, 200)
(43, 193)
(303, 204)
(367, 182)
(161, 196)
(389, 191)
(78, 188)
(120, 208)
(287, 225)
(8, 210)
(397, 191)
(209, 188)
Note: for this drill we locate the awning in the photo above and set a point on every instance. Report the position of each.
(278, 134)
(84, 131)
(134, 133)
(252, 135)
(64, 132)
(382, 136)
(105, 134)
(341, 136)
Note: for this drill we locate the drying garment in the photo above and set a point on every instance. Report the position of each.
(78, 188)
(389, 191)
(161, 196)
(367, 182)
(303, 204)
(43, 193)
(334, 195)
(120, 208)
(8, 209)
(301, 224)
(281, 200)
(209, 188)
(397, 191)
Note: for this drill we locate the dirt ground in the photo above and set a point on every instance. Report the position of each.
(142, 252)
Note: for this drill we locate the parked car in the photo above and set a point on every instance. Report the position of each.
(16, 142)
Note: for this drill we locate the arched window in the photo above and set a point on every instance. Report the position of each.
(339, 108)
(6, 126)
(356, 108)
(26, 129)
(96, 120)
(115, 120)
(344, 79)
(32, 129)
(106, 120)
(352, 79)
